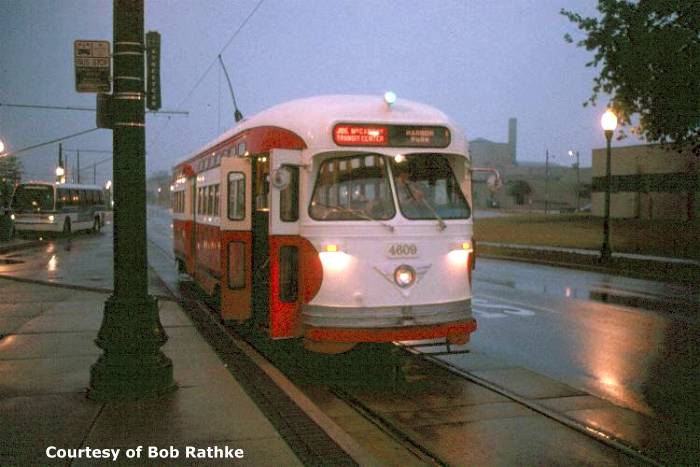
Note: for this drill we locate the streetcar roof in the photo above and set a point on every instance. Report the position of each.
(313, 118)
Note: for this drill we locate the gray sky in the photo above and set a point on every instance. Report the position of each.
(480, 61)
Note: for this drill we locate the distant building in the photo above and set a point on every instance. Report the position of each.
(529, 185)
(648, 182)
(487, 153)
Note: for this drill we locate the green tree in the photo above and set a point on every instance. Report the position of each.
(648, 52)
(10, 175)
(520, 190)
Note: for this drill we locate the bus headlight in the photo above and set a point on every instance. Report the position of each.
(404, 276)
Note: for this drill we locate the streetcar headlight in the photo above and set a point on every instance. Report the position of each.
(459, 252)
(51, 218)
(404, 276)
(12, 216)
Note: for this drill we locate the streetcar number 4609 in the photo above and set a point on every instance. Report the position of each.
(402, 250)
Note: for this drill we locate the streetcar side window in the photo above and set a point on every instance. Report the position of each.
(217, 200)
(236, 196)
(289, 196)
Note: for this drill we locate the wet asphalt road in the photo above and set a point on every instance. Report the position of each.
(630, 341)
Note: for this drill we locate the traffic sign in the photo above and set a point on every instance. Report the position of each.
(93, 66)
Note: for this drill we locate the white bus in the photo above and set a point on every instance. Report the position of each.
(58, 207)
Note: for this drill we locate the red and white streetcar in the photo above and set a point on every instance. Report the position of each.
(337, 219)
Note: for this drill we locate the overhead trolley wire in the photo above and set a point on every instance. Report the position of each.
(213, 62)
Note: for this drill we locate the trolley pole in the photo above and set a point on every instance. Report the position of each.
(132, 365)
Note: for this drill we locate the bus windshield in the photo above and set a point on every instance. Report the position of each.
(427, 188)
(33, 198)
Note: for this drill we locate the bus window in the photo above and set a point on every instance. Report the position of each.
(236, 196)
(63, 198)
(289, 197)
(83, 197)
(31, 198)
(74, 198)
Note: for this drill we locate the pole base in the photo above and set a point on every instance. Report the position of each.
(132, 365)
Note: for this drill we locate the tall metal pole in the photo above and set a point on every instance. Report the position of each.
(132, 365)
(578, 182)
(605, 250)
(77, 172)
(546, 181)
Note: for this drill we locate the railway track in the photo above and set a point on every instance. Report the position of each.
(302, 437)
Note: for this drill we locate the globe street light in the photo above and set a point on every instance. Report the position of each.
(609, 122)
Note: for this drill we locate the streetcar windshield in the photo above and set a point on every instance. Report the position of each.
(426, 188)
(353, 188)
(33, 198)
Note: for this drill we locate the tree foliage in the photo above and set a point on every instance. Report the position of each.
(648, 52)
(10, 175)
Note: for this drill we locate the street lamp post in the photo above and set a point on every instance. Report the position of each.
(578, 178)
(609, 123)
(546, 180)
(132, 365)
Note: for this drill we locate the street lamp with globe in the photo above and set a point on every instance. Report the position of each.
(609, 122)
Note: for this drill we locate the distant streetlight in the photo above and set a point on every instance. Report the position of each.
(2, 147)
(578, 178)
(609, 122)
(546, 180)
(60, 175)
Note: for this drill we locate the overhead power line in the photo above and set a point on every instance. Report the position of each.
(84, 109)
(233, 36)
(62, 138)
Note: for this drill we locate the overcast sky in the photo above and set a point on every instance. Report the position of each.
(480, 61)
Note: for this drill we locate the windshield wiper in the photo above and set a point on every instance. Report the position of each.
(441, 224)
(356, 212)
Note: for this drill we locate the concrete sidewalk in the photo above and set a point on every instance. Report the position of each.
(46, 351)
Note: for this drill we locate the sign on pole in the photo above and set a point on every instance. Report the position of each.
(93, 66)
(153, 70)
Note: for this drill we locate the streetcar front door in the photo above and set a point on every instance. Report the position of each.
(236, 239)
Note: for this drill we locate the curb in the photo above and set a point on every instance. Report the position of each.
(635, 268)
(20, 246)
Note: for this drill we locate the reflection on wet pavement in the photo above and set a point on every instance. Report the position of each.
(80, 260)
(559, 282)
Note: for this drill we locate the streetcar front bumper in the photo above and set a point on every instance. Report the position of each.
(390, 323)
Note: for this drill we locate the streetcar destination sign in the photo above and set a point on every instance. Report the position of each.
(93, 66)
(361, 134)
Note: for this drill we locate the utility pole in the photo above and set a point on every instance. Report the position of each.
(77, 172)
(546, 181)
(132, 365)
